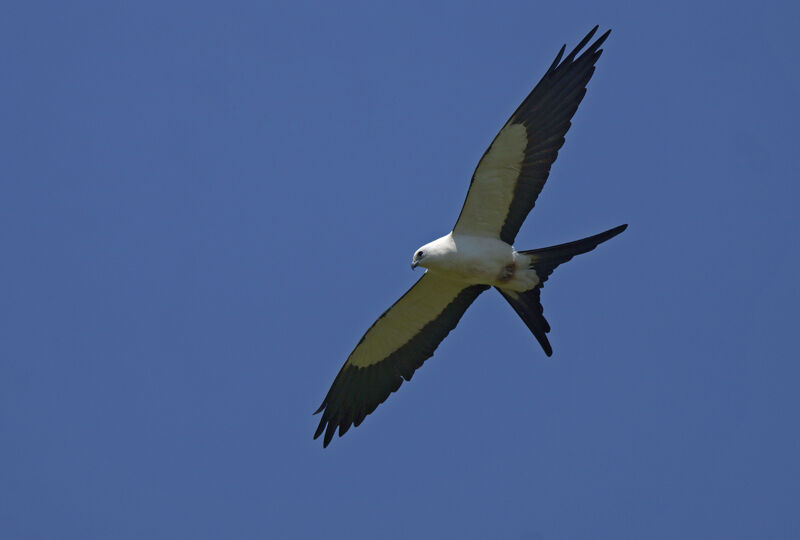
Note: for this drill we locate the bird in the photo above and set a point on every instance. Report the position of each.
(478, 253)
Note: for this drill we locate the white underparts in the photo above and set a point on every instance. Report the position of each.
(479, 260)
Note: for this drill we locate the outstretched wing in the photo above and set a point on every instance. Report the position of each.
(512, 172)
(395, 345)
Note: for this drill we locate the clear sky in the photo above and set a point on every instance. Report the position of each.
(204, 206)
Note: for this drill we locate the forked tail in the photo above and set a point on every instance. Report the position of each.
(544, 260)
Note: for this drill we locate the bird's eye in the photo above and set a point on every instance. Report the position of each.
(420, 254)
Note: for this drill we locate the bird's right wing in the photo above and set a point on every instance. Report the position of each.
(397, 343)
(512, 172)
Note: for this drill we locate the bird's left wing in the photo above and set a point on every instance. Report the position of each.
(512, 172)
(397, 343)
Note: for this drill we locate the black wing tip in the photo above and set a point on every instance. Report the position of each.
(587, 37)
(328, 425)
(592, 49)
(554, 65)
(603, 37)
(321, 428)
(599, 41)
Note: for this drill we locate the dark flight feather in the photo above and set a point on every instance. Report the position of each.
(357, 391)
(528, 304)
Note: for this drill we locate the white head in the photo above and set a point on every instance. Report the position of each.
(419, 257)
(431, 253)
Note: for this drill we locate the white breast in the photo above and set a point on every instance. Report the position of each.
(473, 259)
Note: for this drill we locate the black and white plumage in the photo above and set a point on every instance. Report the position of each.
(478, 253)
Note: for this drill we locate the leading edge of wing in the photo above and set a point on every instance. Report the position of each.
(513, 170)
(391, 350)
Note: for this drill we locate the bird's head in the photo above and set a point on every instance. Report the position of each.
(430, 255)
(419, 258)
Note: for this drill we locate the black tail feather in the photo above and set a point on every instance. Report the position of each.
(544, 260)
(529, 308)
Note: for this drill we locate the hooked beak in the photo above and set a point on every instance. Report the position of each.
(414, 265)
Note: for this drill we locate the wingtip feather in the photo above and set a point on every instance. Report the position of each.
(320, 429)
(583, 42)
(558, 58)
(329, 431)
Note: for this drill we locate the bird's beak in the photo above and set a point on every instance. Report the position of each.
(414, 265)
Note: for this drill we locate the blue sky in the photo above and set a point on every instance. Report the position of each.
(203, 207)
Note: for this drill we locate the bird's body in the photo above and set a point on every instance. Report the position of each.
(478, 253)
(478, 260)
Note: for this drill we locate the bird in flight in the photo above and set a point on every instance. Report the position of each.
(478, 253)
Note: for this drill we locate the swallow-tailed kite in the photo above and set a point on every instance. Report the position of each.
(478, 253)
